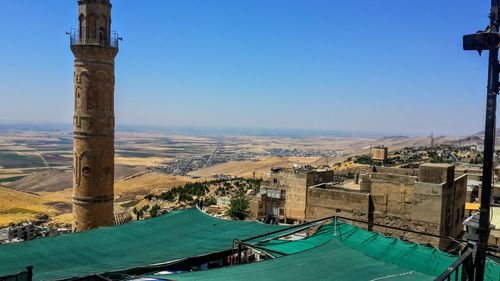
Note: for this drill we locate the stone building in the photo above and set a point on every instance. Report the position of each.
(284, 193)
(429, 199)
(94, 48)
(122, 217)
(21, 231)
(379, 153)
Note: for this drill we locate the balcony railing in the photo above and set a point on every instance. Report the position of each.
(462, 269)
(84, 39)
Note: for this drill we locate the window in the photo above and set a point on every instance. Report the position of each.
(92, 27)
(81, 26)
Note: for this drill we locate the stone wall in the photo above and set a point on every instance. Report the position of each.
(436, 173)
(432, 203)
(294, 183)
(392, 195)
(397, 171)
(295, 196)
(460, 197)
(379, 153)
(255, 208)
(324, 203)
(428, 200)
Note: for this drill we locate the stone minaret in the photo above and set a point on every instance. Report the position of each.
(95, 48)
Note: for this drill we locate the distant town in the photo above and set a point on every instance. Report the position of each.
(93, 201)
(159, 174)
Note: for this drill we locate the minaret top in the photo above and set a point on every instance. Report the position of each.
(83, 2)
(94, 25)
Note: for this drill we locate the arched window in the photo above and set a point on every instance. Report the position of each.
(78, 102)
(92, 28)
(81, 27)
(103, 31)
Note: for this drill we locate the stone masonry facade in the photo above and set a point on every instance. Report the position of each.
(93, 121)
(429, 199)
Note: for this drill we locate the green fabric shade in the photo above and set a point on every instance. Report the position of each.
(340, 251)
(174, 236)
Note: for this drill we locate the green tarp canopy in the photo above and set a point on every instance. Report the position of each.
(331, 261)
(340, 251)
(177, 235)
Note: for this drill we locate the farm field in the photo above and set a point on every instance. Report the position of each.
(36, 165)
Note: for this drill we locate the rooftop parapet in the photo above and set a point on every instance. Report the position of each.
(299, 169)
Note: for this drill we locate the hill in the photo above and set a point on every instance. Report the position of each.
(260, 166)
(127, 188)
(17, 206)
(57, 180)
(481, 133)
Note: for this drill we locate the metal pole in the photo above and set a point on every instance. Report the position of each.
(335, 227)
(489, 144)
(480, 41)
(489, 150)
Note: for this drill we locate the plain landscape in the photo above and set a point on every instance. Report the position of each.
(36, 163)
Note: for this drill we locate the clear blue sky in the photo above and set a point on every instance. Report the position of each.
(387, 65)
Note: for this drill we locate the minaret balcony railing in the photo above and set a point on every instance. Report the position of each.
(84, 38)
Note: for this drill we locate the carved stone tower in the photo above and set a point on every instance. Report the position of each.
(95, 48)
